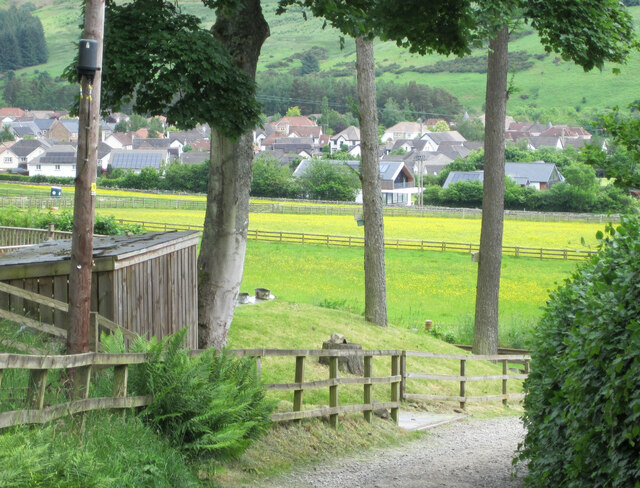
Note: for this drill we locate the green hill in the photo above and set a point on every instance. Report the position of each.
(543, 82)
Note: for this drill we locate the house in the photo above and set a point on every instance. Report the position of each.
(120, 140)
(24, 129)
(538, 175)
(189, 137)
(59, 160)
(349, 137)
(194, 157)
(404, 130)
(397, 182)
(22, 152)
(104, 156)
(135, 160)
(435, 139)
(64, 130)
(173, 147)
(284, 125)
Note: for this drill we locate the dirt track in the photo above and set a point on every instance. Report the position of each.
(467, 454)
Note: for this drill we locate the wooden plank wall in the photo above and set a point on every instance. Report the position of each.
(152, 297)
(158, 296)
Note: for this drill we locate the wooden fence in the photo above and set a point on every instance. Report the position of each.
(30, 201)
(36, 412)
(11, 237)
(39, 366)
(463, 378)
(403, 244)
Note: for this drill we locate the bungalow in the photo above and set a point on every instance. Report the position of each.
(435, 139)
(397, 182)
(120, 140)
(58, 160)
(538, 175)
(137, 159)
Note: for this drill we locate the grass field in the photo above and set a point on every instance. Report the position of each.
(559, 235)
(420, 286)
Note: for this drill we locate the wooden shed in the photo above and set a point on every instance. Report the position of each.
(146, 283)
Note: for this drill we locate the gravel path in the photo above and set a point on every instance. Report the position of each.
(466, 454)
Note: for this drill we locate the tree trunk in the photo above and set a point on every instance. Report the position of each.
(375, 308)
(485, 335)
(84, 201)
(224, 240)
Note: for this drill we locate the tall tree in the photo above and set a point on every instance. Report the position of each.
(589, 32)
(191, 75)
(375, 280)
(242, 31)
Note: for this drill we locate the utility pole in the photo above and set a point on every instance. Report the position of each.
(89, 64)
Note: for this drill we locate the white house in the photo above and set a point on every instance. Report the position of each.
(24, 151)
(58, 160)
(349, 137)
(404, 130)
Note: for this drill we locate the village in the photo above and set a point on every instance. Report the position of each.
(45, 144)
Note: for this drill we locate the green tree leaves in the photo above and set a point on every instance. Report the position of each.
(174, 68)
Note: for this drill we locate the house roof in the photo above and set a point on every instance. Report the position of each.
(545, 141)
(60, 154)
(25, 147)
(538, 171)
(457, 176)
(151, 143)
(11, 112)
(188, 137)
(305, 130)
(43, 124)
(389, 170)
(351, 133)
(24, 130)
(444, 136)
(407, 127)
(103, 150)
(70, 124)
(137, 159)
(566, 131)
(295, 121)
(415, 144)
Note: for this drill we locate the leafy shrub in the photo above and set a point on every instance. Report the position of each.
(582, 408)
(211, 404)
(63, 221)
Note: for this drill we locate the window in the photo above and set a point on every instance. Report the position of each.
(7, 159)
(24, 160)
(73, 167)
(57, 167)
(38, 167)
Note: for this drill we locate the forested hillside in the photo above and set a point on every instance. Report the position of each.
(301, 63)
(22, 40)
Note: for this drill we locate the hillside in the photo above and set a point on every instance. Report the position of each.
(542, 82)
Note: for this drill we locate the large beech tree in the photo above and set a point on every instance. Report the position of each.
(192, 75)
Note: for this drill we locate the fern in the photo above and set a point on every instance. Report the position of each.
(212, 403)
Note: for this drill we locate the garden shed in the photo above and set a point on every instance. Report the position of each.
(146, 283)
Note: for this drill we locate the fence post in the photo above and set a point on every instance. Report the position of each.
(403, 373)
(94, 332)
(395, 386)
(259, 366)
(299, 378)
(120, 379)
(526, 366)
(463, 400)
(35, 391)
(504, 381)
(367, 387)
(333, 390)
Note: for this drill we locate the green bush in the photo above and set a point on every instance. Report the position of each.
(63, 221)
(211, 404)
(582, 409)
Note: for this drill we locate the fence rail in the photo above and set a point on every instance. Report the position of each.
(39, 365)
(463, 377)
(297, 207)
(402, 244)
(12, 237)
